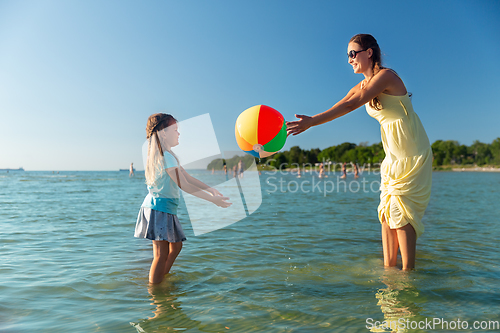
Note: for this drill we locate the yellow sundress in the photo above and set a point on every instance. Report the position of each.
(406, 171)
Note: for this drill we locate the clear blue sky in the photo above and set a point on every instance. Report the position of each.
(78, 79)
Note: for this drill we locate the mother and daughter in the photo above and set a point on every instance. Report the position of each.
(406, 172)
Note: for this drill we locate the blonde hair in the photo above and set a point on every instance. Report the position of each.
(155, 164)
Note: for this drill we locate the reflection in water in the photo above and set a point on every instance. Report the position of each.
(167, 313)
(397, 301)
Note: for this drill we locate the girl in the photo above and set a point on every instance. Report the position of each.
(157, 218)
(406, 171)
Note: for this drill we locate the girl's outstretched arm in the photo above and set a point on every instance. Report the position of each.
(354, 99)
(198, 183)
(178, 177)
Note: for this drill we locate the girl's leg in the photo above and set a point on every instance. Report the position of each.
(174, 250)
(390, 244)
(407, 239)
(160, 256)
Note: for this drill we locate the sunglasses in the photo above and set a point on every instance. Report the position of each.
(352, 53)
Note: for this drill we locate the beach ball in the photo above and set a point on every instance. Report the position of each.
(260, 131)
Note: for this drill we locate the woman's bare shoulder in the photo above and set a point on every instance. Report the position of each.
(395, 85)
(389, 73)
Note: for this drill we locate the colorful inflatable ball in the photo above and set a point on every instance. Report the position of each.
(260, 131)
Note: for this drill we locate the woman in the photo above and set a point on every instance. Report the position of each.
(406, 171)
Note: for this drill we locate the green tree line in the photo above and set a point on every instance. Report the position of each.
(345, 152)
(444, 152)
(451, 152)
(218, 164)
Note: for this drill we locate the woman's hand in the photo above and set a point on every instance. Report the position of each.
(299, 126)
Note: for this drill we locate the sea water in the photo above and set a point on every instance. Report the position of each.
(305, 261)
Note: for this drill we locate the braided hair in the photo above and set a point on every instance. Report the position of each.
(366, 42)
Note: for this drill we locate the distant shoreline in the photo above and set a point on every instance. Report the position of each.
(7, 169)
(477, 169)
(467, 168)
(313, 169)
(435, 169)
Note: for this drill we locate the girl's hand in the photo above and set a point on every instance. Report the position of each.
(298, 126)
(214, 192)
(221, 201)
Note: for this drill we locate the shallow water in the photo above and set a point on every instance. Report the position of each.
(303, 262)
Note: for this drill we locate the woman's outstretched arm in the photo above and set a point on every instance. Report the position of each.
(354, 99)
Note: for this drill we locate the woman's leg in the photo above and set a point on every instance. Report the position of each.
(174, 250)
(390, 244)
(160, 257)
(407, 239)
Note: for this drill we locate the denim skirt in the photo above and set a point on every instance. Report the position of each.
(158, 226)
